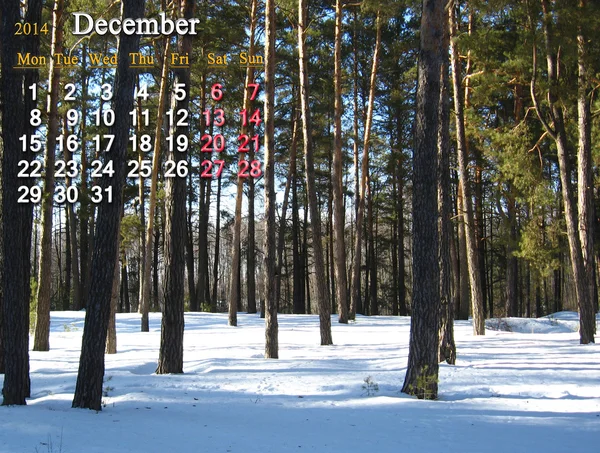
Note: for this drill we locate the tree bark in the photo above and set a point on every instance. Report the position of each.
(341, 275)
(217, 244)
(17, 217)
(283, 220)
(354, 303)
(157, 236)
(581, 275)
(234, 285)
(41, 340)
(315, 216)
(125, 305)
(65, 289)
(511, 260)
(372, 261)
(305, 257)
(251, 247)
(298, 304)
(355, 296)
(394, 251)
(585, 185)
(467, 213)
(1, 256)
(270, 265)
(189, 243)
(74, 249)
(111, 339)
(203, 292)
(170, 358)
(88, 390)
(149, 243)
(447, 347)
(422, 373)
(84, 203)
(205, 297)
(403, 310)
(463, 266)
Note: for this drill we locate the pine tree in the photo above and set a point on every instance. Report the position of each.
(170, 359)
(88, 390)
(42, 323)
(17, 217)
(341, 275)
(472, 256)
(422, 373)
(271, 326)
(315, 216)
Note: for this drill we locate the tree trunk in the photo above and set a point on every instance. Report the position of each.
(395, 283)
(271, 326)
(142, 212)
(315, 216)
(372, 268)
(447, 347)
(84, 203)
(467, 213)
(149, 243)
(403, 310)
(306, 268)
(329, 265)
(355, 302)
(511, 260)
(202, 293)
(189, 243)
(455, 273)
(339, 213)
(17, 217)
(282, 222)
(73, 247)
(355, 296)
(479, 228)
(111, 339)
(125, 305)
(251, 247)
(234, 282)
(155, 252)
(463, 266)
(581, 276)
(205, 298)
(170, 358)
(422, 373)
(217, 244)
(66, 289)
(77, 293)
(88, 390)
(41, 340)
(1, 257)
(298, 303)
(585, 185)
(329, 259)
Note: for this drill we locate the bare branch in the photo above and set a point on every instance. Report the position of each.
(534, 99)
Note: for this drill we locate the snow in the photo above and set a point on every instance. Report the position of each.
(514, 391)
(563, 321)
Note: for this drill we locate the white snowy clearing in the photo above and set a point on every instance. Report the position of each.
(509, 391)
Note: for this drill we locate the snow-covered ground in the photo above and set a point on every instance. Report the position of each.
(509, 391)
(564, 321)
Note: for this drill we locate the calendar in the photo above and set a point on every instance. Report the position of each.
(215, 139)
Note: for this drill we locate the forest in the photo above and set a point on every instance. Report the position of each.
(437, 159)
